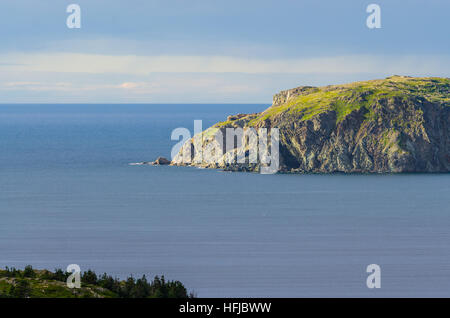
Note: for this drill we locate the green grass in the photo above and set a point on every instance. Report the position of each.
(42, 288)
(344, 99)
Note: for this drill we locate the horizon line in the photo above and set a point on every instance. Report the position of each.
(154, 103)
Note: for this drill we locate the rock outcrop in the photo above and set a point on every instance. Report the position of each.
(160, 161)
(398, 124)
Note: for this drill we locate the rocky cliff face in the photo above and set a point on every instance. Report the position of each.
(398, 124)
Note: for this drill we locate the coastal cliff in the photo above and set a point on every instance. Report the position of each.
(392, 125)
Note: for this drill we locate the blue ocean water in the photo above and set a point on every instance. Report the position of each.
(68, 195)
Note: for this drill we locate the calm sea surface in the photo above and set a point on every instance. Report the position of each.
(68, 195)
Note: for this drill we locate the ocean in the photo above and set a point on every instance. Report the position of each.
(69, 196)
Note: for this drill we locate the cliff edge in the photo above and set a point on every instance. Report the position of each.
(397, 124)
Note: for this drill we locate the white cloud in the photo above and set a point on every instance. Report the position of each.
(68, 77)
(129, 85)
(161, 88)
(37, 86)
(142, 65)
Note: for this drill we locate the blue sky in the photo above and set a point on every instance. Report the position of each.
(193, 51)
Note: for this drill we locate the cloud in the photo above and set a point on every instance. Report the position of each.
(69, 77)
(129, 85)
(37, 86)
(142, 65)
(168, 87)
(140, 87)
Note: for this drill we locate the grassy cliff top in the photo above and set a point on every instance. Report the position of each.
(343, 99)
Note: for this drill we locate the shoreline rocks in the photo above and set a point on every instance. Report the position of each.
(160, 161)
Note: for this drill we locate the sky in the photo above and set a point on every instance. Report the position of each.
(210, 51)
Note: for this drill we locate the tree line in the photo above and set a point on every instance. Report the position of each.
(158, 287)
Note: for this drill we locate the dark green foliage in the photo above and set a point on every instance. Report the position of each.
(108, 282)
(58, 275)
(142, 288)
(29, 272)
(32, 283)
(21, 289)
(89, 277)
(11, 272)
(61, 275)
